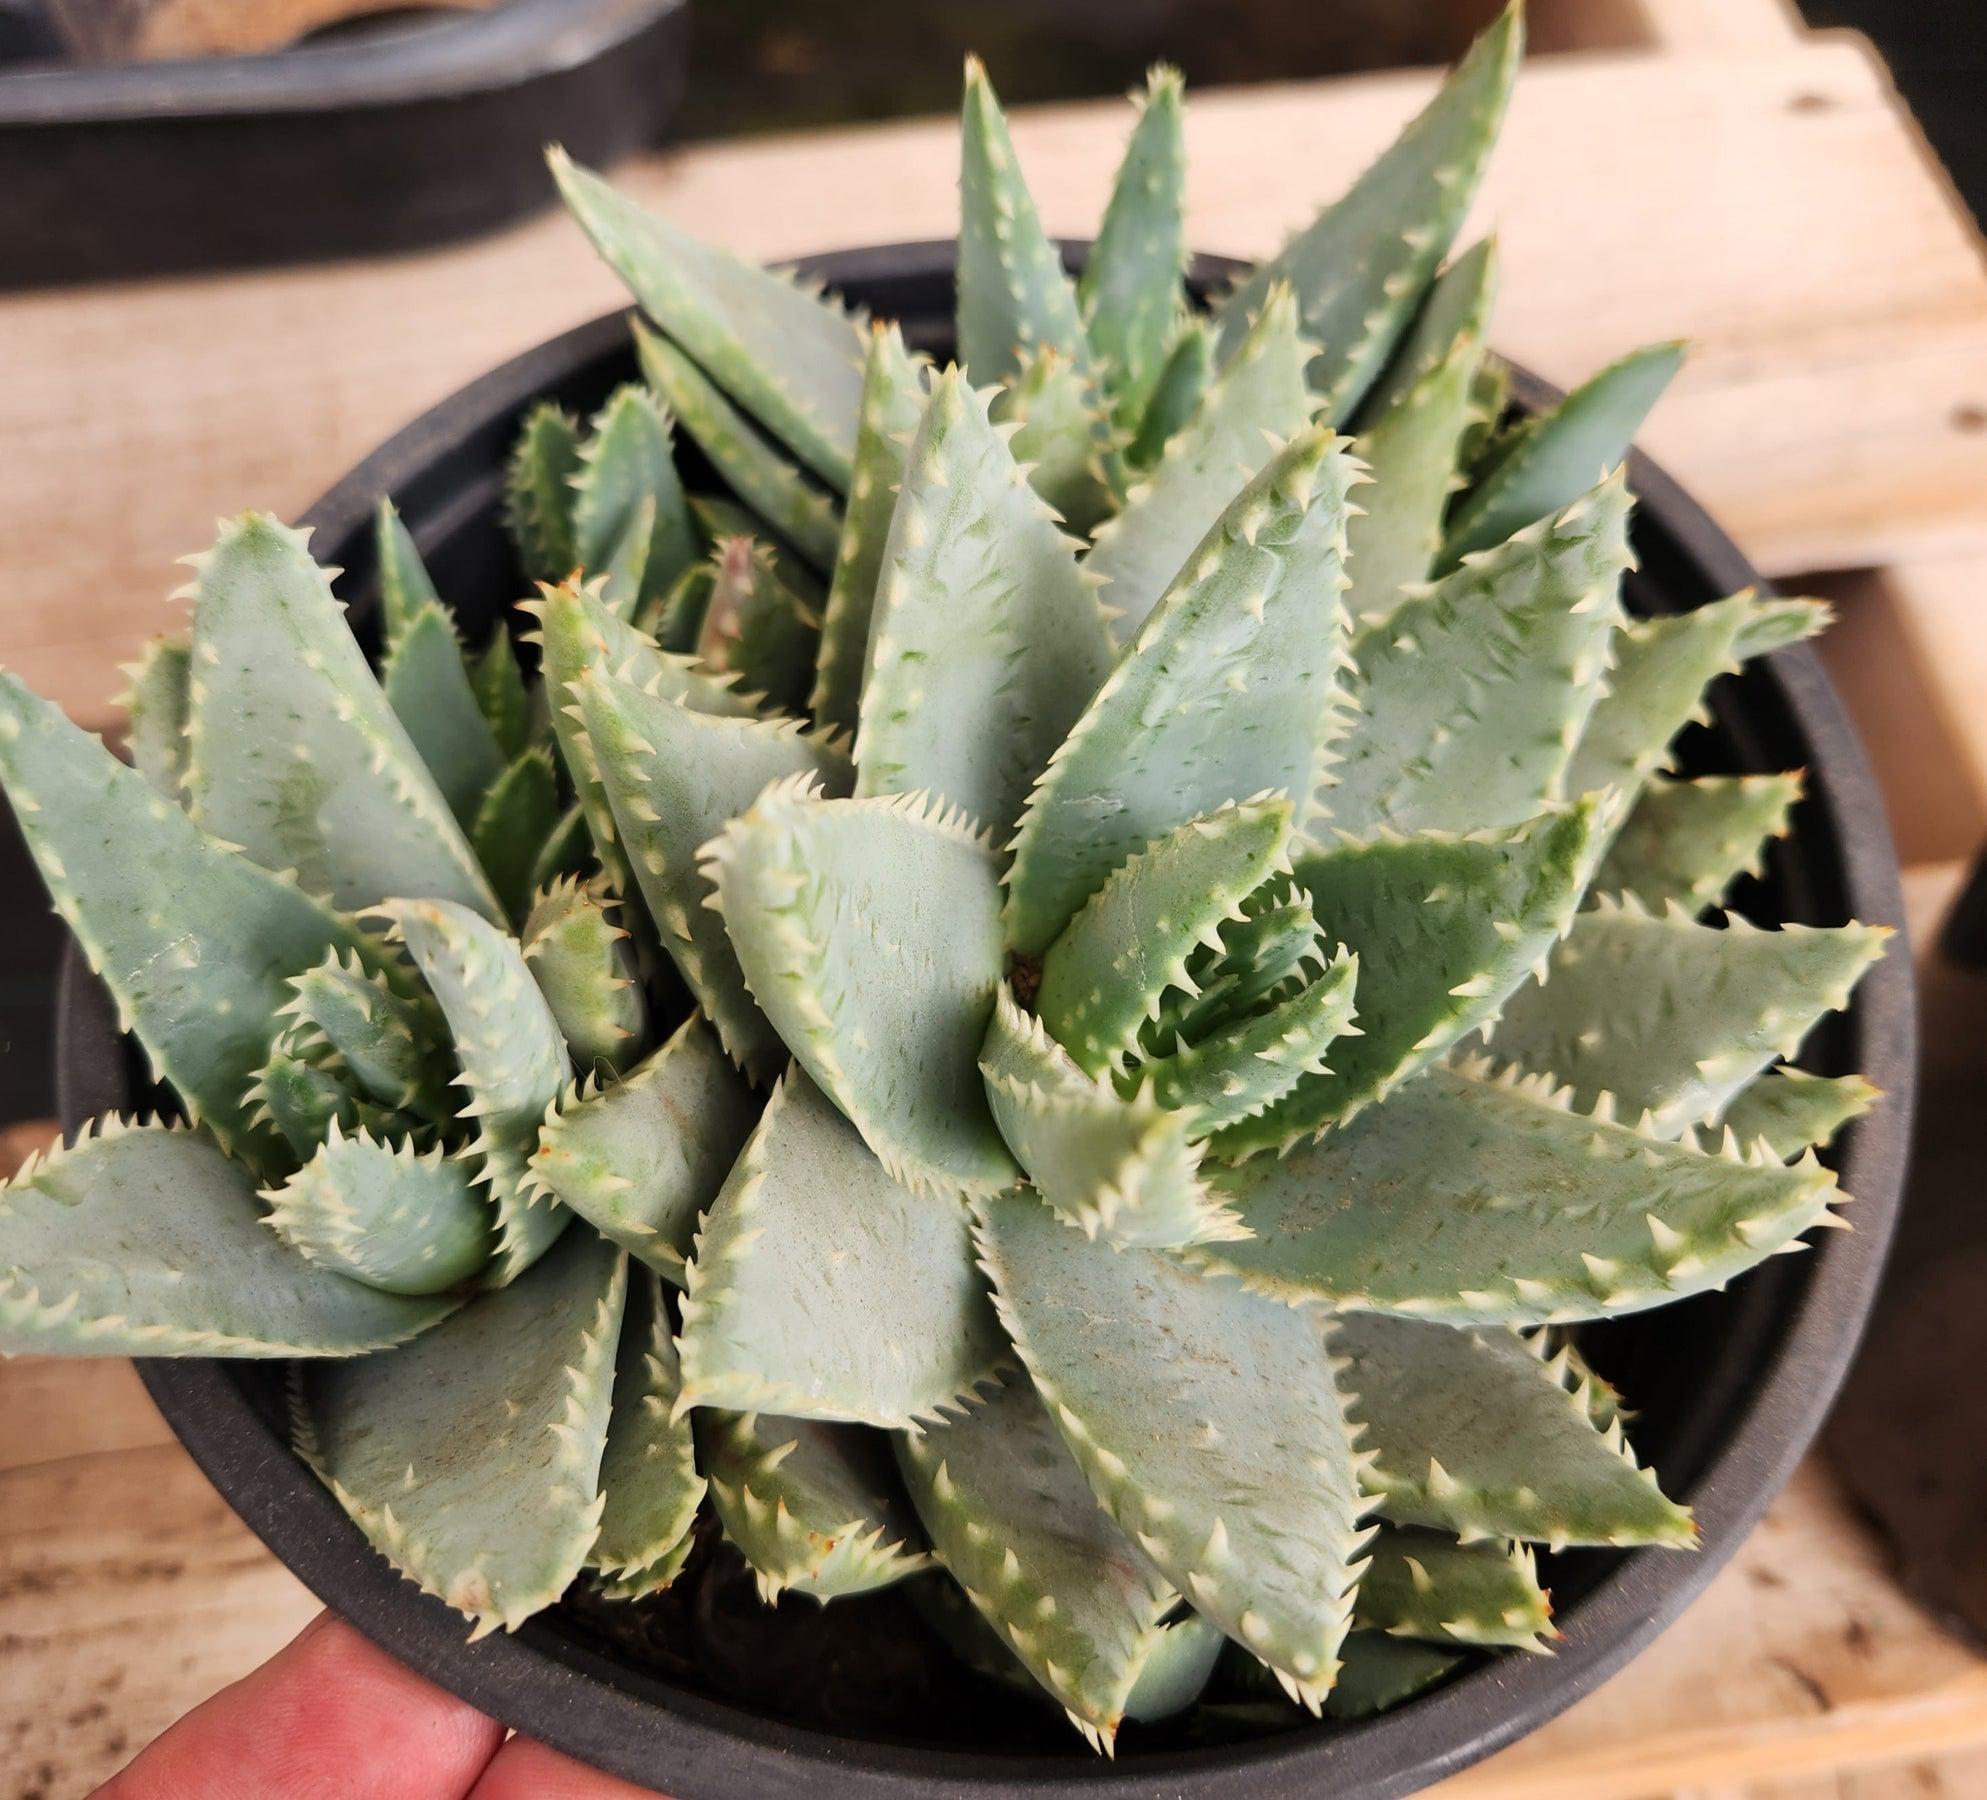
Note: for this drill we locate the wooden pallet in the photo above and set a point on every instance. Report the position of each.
(1704, 167)
(129, 1592)
(1770, 202)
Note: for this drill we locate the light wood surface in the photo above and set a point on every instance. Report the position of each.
(129, 1592)
(1665, 25)
(1753, 188)
(1908, 651)
(1772, 205)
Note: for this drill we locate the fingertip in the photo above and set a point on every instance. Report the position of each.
(523, 1770)
(329, 1700)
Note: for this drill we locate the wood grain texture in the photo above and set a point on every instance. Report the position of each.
(1908, 653)
(1664, 25)
(129, 1592)
(1803, 1656)
(1774, 206)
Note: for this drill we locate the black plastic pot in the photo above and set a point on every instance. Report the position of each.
(1730, 1388)
(392, 136)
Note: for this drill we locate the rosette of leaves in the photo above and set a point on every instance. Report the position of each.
(1074, 985)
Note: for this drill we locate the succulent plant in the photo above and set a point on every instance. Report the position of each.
(1101, 1072)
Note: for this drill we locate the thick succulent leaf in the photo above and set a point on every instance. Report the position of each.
(471, 1457)
(942, 1607)
(1655, 688)
(1259, 953)
(581, 961)
(641, 1157)
(147, 1241)
(499, 687)
(296, 755)
(1773, 624)
(1688, 841)
(1360, 268)
(1208, 1422)
(869, 932)
(1121, 1166)
(650, 1578)
(300, 1098)
(1014, 297)
(517, 818)
(427, 685)
(1234, 1072)
(1229, 690)
(1473, 695)
(986, 641)
(624, 565)
(538, 493)
(791, 358)
(1379, 1672)
(675, 778)
(404, 583)
(512, 1058)
(1129, 291)
(1540, 465)
(567, 850)
(1105, 976)
(757, 629)
(1182, 1656)
(802, 513)
(1425, 1584)
(822, 1289)
(1258, 401)
(1674, 1017)
(381, 1214)
(1061, 438)
(893, 398)
(156, 708)
(577, 632)
(1792, 1110)
(1410, 436)
(382, 1040)
(1473, 1199)
(629, 460)
(675, 618)
(719, 518)
(1445, 928)
(1477, 1433)
(1012, 1519)
(648, 1471)
(812, 1506)
(1490, 397)
(1456, 306)
(1177, 392)
(1179, 1654)
(195, 942)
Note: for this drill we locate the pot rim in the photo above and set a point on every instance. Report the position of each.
(638, 1726)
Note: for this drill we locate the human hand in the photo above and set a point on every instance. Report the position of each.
(330, 1714)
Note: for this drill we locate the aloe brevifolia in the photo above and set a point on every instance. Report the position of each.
(1067, 990)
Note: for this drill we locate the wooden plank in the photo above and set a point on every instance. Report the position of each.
(128, 1590)
(1770, 206)
(1802, 1657)
(128, 1593)
(1664, 25)
(1962, 1777)
(1908, 653)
